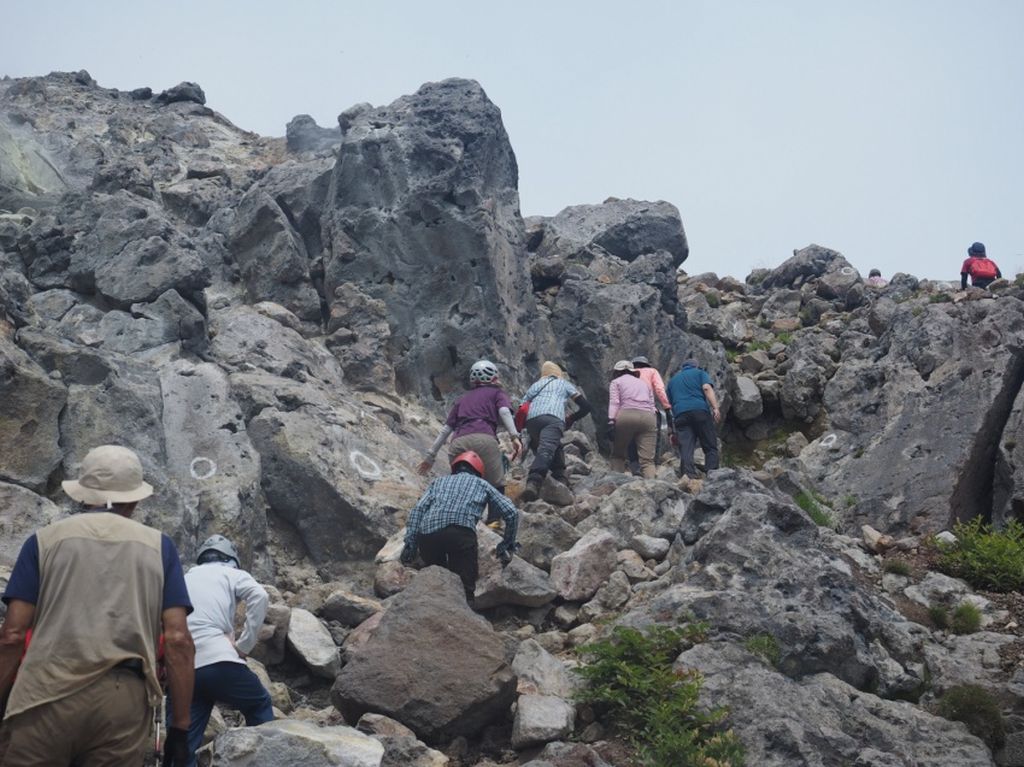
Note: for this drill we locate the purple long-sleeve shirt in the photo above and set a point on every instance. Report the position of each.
(629, 393)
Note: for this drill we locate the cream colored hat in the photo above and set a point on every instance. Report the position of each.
(551, 369)
(109, 474)
(624, 365)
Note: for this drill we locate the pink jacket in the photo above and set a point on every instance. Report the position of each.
(653, 379)
(629, 393)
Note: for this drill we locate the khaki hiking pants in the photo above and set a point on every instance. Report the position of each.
(107, 724)
(487, 448)
(641, 425)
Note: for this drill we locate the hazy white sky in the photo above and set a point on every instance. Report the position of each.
(891, 131)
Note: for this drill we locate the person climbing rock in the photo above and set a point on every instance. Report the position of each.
(651, 375)
(442, 524)
(474, 422)
(216, 585)
(695, 413)
(631, 416)
(876, 280)
(97, 589)
(547, 422)
(980, 268)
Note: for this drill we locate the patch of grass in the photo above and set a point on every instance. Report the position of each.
(754, 346)
(939, 616)
(714, 301)
(978, 709)
(809, 503)
(731, 355)
(966, 619)
(986, 558)
(897, 567)
(784, 337)
(917, 311)
(631, 682)
(1018, 281)
(859, 453)
(766, 646)
(940, 298)
(850, 501)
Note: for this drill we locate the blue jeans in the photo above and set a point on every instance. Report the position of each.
(230, 683)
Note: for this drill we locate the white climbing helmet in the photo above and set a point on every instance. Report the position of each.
(221, 545)
(482, 372)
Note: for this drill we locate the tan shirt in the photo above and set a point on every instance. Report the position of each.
(100, 603)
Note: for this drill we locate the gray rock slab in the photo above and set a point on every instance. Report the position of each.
(288, 741)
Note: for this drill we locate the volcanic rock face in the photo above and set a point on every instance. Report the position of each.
(278, 327)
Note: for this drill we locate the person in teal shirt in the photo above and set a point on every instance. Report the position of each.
(694, 413)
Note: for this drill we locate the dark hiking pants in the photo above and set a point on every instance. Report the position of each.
(453, 548)
(546, 442)
(692, 427)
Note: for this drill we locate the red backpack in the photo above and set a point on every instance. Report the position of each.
(983, 269)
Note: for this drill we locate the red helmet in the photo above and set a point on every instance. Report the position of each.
(471, 459)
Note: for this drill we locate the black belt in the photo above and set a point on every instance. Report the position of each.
(134, 665)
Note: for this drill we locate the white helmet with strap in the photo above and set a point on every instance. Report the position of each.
(482, 372)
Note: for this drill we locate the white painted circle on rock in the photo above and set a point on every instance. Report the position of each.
(202, 467)
(848, 270)
(829, 440)
(366, 466)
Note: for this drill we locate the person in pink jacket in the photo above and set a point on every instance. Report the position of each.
(631, 416)
(653, 378)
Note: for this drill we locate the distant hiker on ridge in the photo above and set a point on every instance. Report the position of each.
(631, 415)
(547, 422)
(474, 420)
(876, 280)
(981, 269)
(442, 524)
(695, 408)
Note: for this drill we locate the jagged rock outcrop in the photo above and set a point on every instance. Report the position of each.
(277, 327)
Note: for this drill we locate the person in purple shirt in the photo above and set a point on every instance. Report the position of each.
(473, 422)
(631, 416)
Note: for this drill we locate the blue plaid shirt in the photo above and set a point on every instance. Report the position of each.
(459, 499)
(549, 395)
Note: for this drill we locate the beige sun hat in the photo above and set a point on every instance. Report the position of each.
(550, 368)
(624, 365)
(109, 474)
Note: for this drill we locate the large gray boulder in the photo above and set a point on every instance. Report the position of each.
(29, 411)
(271, 257)
(423, 212)
(288, 741)
(22, 512)
(820, 720)
(579, 572)
(626, 229)
(430, 662)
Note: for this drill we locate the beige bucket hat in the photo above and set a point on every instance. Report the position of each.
(109, 474)
(624, 365)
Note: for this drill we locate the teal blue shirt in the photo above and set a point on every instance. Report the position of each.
(686, 390)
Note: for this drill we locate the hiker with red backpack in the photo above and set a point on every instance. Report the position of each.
(442, 525)
(474, 420)
(546, 422)
(981, 269)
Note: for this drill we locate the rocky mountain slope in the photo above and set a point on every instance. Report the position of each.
(278, 326)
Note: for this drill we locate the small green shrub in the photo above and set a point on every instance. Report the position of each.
(813, 507)
(897, 567)
(1018, 281)
(940, 298)
(731, 355)
(755, 346)
(631, 682)
(766, 646)
(986, 558)
(966, 619)
(784, 337)
(939, 616)
(975, 707)
(713, 300)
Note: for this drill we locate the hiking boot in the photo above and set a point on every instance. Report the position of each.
(532, 490)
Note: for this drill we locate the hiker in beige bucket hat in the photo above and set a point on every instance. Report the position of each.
(110, 474)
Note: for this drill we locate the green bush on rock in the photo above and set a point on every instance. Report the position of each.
(975, 707)
(986, 558)
(631, 682)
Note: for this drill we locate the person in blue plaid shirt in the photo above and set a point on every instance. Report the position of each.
(442, 524)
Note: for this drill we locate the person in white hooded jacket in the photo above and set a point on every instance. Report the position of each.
(215, 586)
